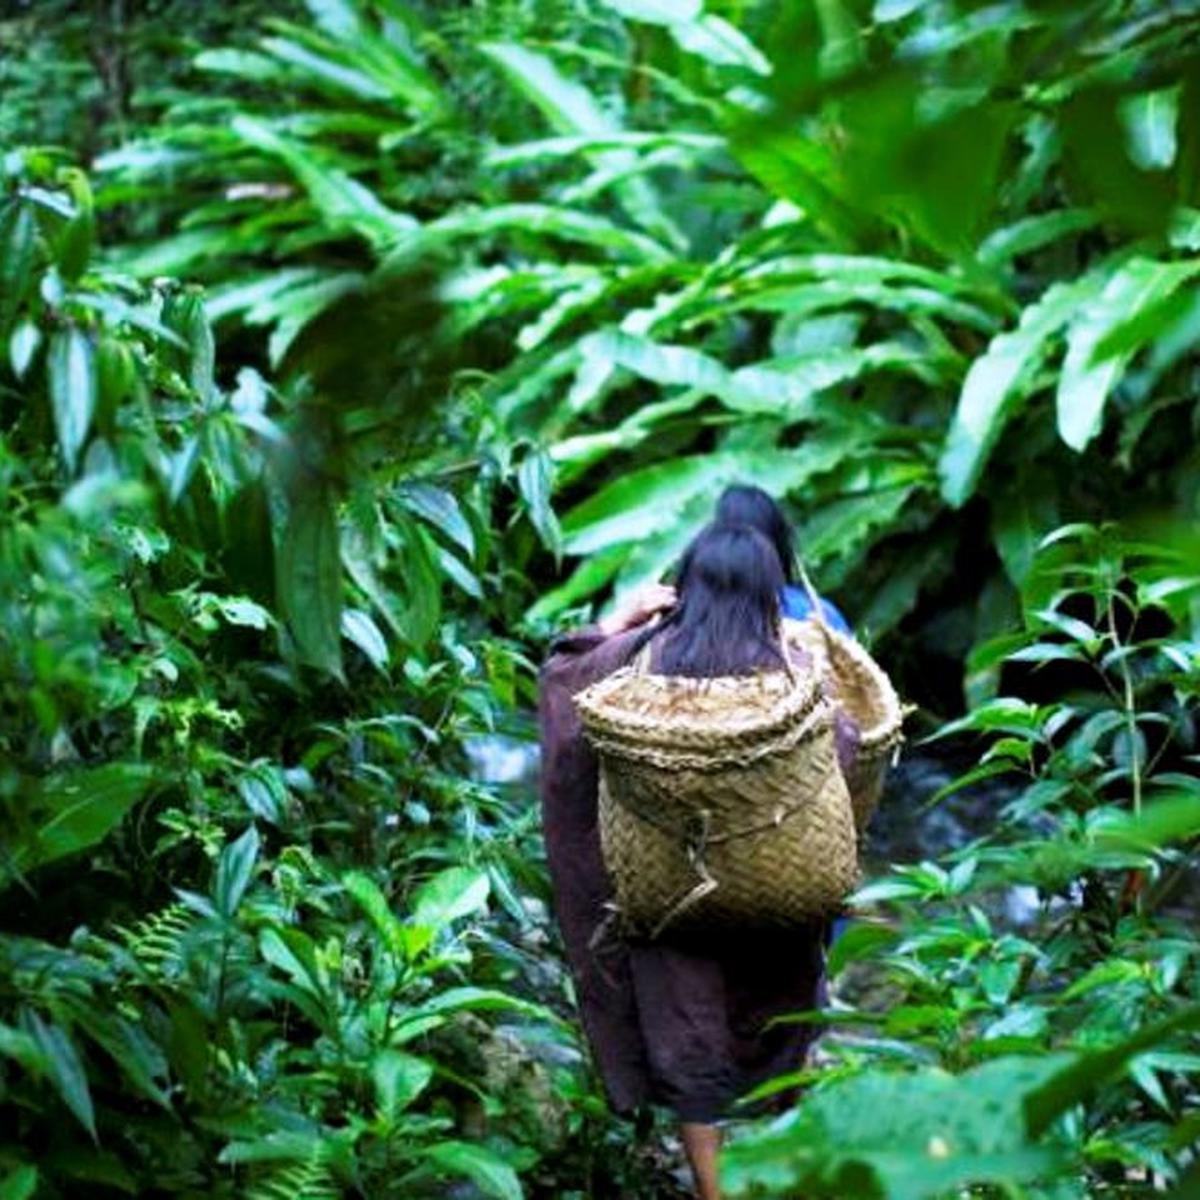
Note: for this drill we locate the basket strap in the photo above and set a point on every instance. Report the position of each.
(818, 609)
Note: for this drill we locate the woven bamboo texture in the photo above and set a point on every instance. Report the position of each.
(854, 681)
(721, 804)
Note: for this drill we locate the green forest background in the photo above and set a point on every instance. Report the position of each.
(350, 347)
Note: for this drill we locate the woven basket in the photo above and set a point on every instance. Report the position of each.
(721, 804)
(855, 682)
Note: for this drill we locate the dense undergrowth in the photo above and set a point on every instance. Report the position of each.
(302, 348)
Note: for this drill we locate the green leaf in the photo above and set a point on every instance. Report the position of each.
(645, 501)
(571, 109)
(65, 1068)
(1033, 232)
(422, 584)
(535, 478)
(234, 872)
(1150, 120)
(18, 253)
(19, 1184)
(486, 1169)
(1089, 375)
(310, 579)
(73, 247)
(344, 202)
(264, 792)
(292, 952)
(77, 810)
(903, 1136)
(72, 367)
(359, 628)
(451, 894)
(399, 1079)
(540, 220)
(704, 34)
(442, 510)
(367, 895)
(1072, 1083)
(999, 379)
(22, 346)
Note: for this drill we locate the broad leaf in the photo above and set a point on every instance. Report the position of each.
(997, 381)
(1088, 375)
(77, 810)
(310, 579)
(484, 1167)
(72, 367)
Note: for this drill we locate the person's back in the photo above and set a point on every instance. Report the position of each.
(684, 1022)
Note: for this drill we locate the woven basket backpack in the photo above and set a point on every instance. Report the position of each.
(721, 803)
(857, 684)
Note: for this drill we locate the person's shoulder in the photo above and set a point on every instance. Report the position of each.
(795, 602)
(797, 606)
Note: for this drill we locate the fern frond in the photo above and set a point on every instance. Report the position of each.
(309, 1180)
(157, 940)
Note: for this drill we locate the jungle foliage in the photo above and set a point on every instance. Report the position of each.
(329, 332)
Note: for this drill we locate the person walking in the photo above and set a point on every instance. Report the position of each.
(680, 1021)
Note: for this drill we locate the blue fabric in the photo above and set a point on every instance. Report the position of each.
(797, 606)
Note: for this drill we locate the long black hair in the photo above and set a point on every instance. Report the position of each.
(726, 621)
(744, 504)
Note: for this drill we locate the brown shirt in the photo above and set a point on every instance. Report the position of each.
(680, 1023)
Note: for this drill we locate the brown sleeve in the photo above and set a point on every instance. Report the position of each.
(582, 890)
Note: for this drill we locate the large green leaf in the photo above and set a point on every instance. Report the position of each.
(75, 811)
(399, 1079)
(342, 200)
(235, 869)
(901, 1136)
(1089, 374)
(18, 253)
(450, 895)
(309, 578)
(572, 110)
(65, 1068)
(645, 501)
(72, 368)
(484, 1167)
(782, 387)
(998, 380)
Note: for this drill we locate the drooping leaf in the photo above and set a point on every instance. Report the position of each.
(359, 628)
(72, 367)
(309, 579)
(235, 868)
(571, 109)
(451, 894)
(65, 1068)
(484, 1167)
(535, 478)
(997, 381)
(442, 510)
(399, 1079)
(18, 253)
(1088, 375)
(77, 810)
